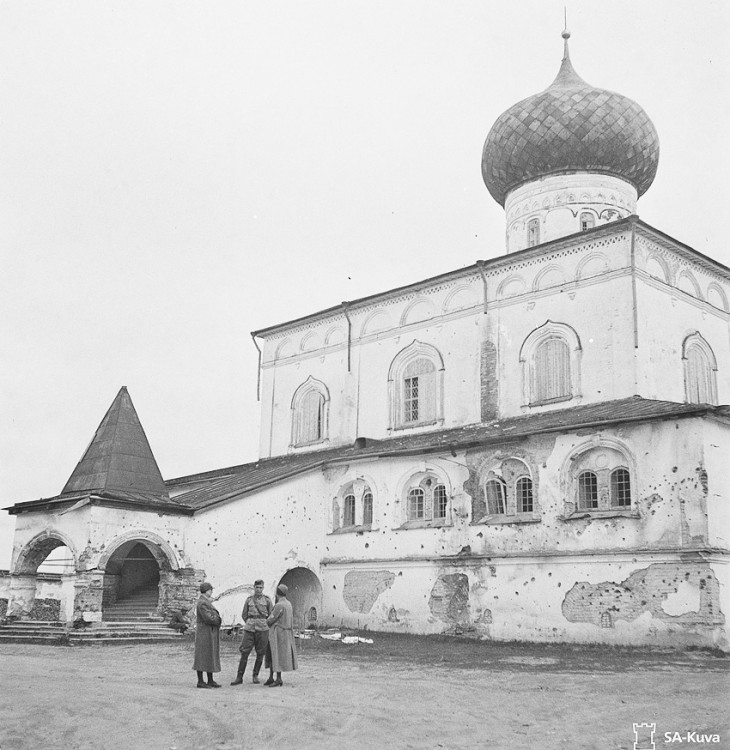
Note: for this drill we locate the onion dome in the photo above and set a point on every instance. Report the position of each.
(570, 127)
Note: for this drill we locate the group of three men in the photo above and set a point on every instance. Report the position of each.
(267, 628)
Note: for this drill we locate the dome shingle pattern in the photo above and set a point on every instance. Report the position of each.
(570, 127)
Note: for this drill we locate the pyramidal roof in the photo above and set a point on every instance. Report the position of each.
(119, 458)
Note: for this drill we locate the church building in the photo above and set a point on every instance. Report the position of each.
(532, 447)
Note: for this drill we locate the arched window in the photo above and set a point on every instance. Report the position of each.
(587, 490)
(600, 477)
(352, 508)
(367, 509)
(523, 490)
(419, 392)
(587, 221)
(496, 496)
(533, 232)
(349, 511)
(426, 499)
(415, 385)
(416, 504)
(440, 501)
(508, 491)
(700, 368)
(620, 488)
(552, 370)
(309, 413)
(550, 358)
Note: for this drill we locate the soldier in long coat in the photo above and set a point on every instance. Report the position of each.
(282, 653)
(207, 638)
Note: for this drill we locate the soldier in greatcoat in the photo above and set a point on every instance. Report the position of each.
(207, 638)
(282, 653)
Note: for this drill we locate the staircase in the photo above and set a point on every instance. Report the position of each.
(140, 606)
(130, 620)
(33, 631)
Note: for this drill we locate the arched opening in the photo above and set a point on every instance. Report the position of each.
(42, 587)
(305, 595)
(132, 581)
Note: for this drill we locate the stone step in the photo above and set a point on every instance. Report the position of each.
(109, 640)
(31, 638)
(30, 626)
(95, 635)
(132, 620)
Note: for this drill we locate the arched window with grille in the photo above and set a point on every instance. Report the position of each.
(700, 371)
(523, 492)
(600, 478)
(587, 220)
(587, 490)
(425, 500)
(419, 391)
(620, 488)
(309, 413)
(550, 358)
(415, 386)
(416, 504)
(440, 501)
(533, 232)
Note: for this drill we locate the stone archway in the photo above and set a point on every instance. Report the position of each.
(305, 595)
(42, 596)
(135, 568)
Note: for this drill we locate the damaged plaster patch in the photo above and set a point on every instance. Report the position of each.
(449, 599)
(685, 599)
(363, 587)
(662, 590)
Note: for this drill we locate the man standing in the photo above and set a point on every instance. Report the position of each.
(255, 631)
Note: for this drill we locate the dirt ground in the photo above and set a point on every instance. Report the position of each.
(399, 692)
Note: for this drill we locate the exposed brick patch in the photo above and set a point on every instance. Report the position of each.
(647, 590)
(363, 587)
(3, 608)
(45, 609)
(179, 589)
(449, 600)
(489, 384)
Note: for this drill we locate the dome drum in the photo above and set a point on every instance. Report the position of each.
(565, 204)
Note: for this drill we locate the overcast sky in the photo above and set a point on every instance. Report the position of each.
(176, 174)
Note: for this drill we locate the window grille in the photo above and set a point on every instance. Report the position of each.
(440, 501)
(349, 519)
(419, 392)
(587, 490)
(416, 504)
(496, 496)
(620, 488)
(552, 370)
(533, 232)
(587, 221)
(410, 401)
(367, 508)
(699, 376)
(523, 490)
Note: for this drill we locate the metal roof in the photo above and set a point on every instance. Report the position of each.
(210, 488)
(119, 457)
